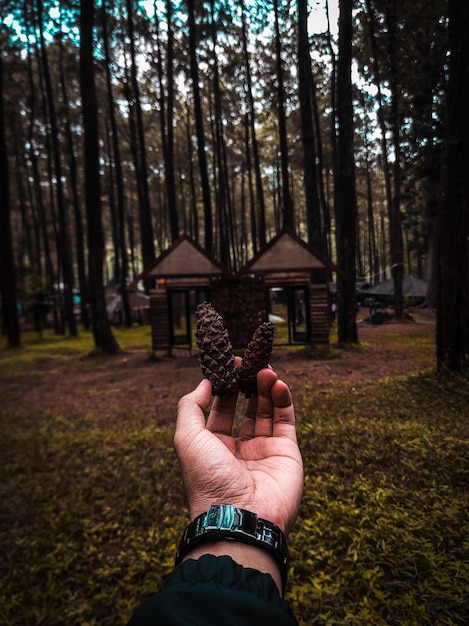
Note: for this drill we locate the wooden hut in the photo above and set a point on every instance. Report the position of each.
(296, 277)
(286, 282)
(183, 275)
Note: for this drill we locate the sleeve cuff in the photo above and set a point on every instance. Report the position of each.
(215, 590)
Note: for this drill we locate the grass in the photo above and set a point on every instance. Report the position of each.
(383, 535)
(70, 350)
(92, 507)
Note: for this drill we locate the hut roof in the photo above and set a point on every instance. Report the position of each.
(183, 259)
(286, 252)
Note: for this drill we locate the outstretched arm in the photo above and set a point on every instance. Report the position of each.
(260, 469)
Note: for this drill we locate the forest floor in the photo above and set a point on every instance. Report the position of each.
(153, 386)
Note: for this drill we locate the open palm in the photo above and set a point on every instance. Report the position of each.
(260, 469)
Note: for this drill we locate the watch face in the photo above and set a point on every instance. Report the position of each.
(219, 517)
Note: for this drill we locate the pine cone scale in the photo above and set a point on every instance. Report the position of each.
(215, 356)
(256, 357)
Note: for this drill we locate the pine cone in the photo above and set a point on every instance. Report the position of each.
(215, 357)
(256, 357)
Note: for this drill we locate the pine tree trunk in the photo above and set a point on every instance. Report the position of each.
(223, 207)
(146, 224)
(119, 181)
(375, 60)
(313, 212)
(169, 163)
(194, 215)
(103, 336)
(452, 345)
(259, 210)
(208, 223)
(395, 237)
(287, 208)
(64, 247)
(346, 202)
(76, 204)
(38, 208)
(10, 322)
(251, 195)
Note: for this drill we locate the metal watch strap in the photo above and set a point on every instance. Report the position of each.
(225, 522)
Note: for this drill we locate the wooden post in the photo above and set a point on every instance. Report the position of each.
(159, 321)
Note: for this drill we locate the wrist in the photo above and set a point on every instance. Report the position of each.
(227, 530)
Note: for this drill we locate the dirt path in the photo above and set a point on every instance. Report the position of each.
(134, 383)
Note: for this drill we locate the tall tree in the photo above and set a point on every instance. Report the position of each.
(116, 161)
(287, 203)
(452, 345)
(166, 85)
(146, 224)
(313, 212)
(10, 322)
(223, 205)
(63, 242)
(103, 336)
(194, 73)
(258, 230)
(169, 138)
(375, 63)
(75, 200)
(332, 106)
(345, 210)
(395, 225)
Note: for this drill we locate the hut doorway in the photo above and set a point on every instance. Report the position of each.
(181, 309)
(289, 311)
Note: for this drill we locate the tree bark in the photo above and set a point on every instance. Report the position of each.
(10, 322)
(346, 197)
(310, 182)
(64, 247)
(146, 224)
(259, 234)
(227, 248)
(120, 196)
(77, 209)
(452, 337)
(169, 165)
(287, 208)
(103, 336)
(397, 249)
(194, 71)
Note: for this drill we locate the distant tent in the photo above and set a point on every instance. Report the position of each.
(412, 287)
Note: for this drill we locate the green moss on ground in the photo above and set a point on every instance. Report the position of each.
(92, 507)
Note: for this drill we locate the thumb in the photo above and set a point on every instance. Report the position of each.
(191, 408)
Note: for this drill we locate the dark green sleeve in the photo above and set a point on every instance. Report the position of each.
(215, 591)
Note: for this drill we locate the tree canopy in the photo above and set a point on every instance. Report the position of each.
(225, 121)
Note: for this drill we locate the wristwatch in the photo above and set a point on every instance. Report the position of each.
(226, 522)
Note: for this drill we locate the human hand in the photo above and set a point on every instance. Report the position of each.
(260, 469)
